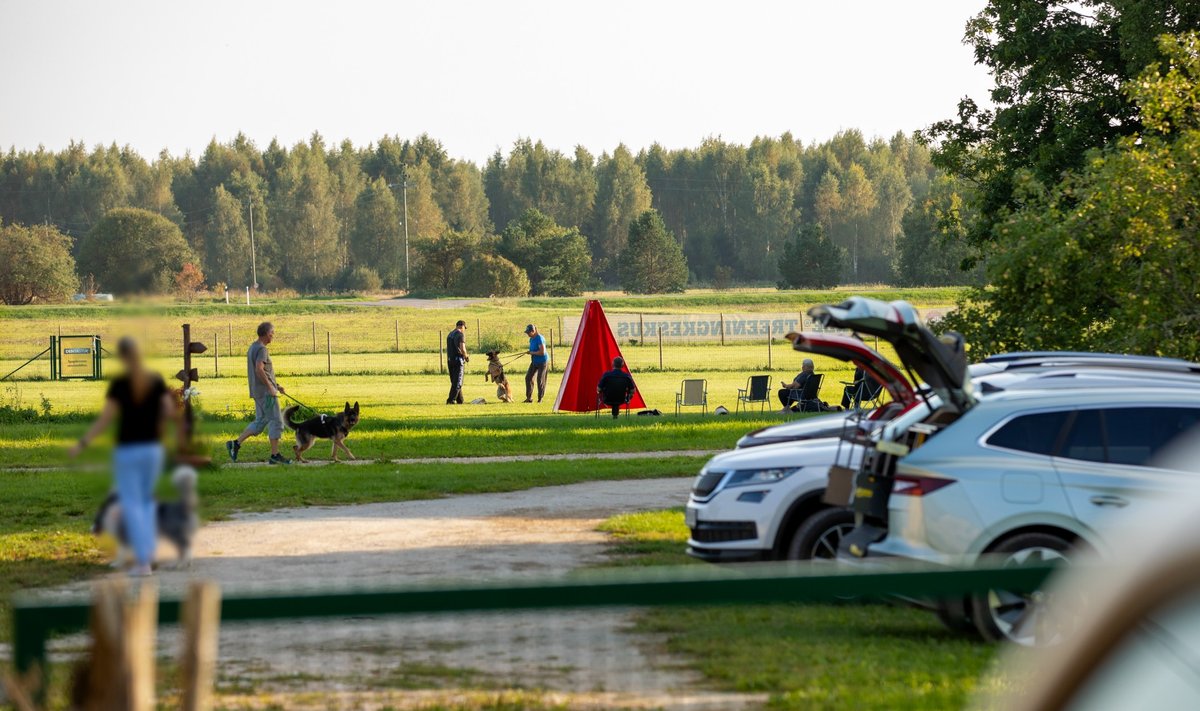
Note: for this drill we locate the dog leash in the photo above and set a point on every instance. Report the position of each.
(289, 397)
(506, 362)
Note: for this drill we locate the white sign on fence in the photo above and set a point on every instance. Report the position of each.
(698, 328)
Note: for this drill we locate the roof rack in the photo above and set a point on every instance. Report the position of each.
(1093, 360)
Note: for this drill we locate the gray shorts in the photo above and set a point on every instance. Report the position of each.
(267, 416)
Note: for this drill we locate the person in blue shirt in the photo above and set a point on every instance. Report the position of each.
(539, 364)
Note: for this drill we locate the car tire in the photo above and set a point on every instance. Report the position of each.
(819, 535)
(1003, 616)
(955, 615)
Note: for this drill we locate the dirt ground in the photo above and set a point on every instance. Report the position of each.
(583, 659)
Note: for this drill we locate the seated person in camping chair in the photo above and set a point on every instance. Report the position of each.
(863, 389)
(615, 387)
(789, 394)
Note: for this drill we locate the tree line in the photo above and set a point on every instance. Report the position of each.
(327, 217)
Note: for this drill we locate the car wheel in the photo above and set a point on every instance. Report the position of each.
(820, 535)
(955, 615)
(1021, 618)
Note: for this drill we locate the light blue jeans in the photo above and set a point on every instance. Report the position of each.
(137, 467)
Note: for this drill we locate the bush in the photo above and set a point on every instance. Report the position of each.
(488, 275)
(503, 343)
(35, 265)
(134, 251)
(362, 279)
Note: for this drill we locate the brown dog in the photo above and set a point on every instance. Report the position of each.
(495, 373)
(333, 427)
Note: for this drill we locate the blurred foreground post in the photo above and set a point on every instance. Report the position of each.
(119, 672)
(201, 619)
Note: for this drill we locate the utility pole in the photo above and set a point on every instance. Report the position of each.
(406, 286)
(253, 261)
(404, 185)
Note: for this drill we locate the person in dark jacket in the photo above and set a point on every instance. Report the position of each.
(456, 360)
(615, 387)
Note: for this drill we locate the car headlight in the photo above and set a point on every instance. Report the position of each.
(759, 477)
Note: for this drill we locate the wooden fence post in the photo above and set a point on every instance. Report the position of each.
(660, 362)
(768, 345)
(559, 334)
(314, 332)
(441, 369)
(201, 619)
(328, 354)
(722, 329)
(641, 331)
(397, 325)
(230, 325)
(120, 669)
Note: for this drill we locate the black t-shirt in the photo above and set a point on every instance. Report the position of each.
(453, 341)
(139, 421)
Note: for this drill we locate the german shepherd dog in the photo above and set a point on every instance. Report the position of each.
(495, 373)
(176, 521)
(332, 427)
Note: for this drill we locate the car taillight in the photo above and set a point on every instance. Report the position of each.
(918, 485)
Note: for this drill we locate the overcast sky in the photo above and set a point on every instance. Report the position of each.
(476, 75)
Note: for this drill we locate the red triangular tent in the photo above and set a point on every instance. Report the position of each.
(592, 354)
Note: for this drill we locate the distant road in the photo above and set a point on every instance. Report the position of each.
(422, 303)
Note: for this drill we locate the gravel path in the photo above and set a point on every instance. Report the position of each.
(584, 659)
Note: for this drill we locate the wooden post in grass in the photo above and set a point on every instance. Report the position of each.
(559, 336)
(201, 619)
(440, 368)
(314, 332)
(397, 325)
(660, 365)
(328, 354)
(641, 331)
(722, 329)
(768, 345)
(119, 673)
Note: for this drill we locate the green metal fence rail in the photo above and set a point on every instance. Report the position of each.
(34, 620)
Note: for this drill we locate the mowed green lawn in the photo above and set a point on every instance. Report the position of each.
(406, 416)
(805, 656)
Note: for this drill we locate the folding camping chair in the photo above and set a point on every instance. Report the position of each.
(807, 396)
(758, 389)
(606, 407)
(692, 393)
(865, 390)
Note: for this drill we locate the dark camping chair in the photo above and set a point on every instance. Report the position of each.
(867, 390)
(605, 401)
(758, 389)
(806, 397)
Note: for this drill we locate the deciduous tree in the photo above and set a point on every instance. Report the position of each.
(35, 265)
(134, 251)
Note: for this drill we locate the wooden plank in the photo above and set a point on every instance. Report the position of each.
(201, 618)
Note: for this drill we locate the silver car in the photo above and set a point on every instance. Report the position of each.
(1022, 475)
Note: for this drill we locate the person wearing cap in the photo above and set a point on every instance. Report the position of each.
(539, 363)
(456, 359)
(789, 394)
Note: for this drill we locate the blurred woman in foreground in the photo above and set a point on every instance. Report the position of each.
(141, 403)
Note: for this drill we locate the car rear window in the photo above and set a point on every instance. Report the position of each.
(1036, 433)
(1138, 434)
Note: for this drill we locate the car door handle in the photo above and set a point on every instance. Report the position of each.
(1110, 500)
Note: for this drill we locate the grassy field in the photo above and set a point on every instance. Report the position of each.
(859, 656)
(302, 324)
